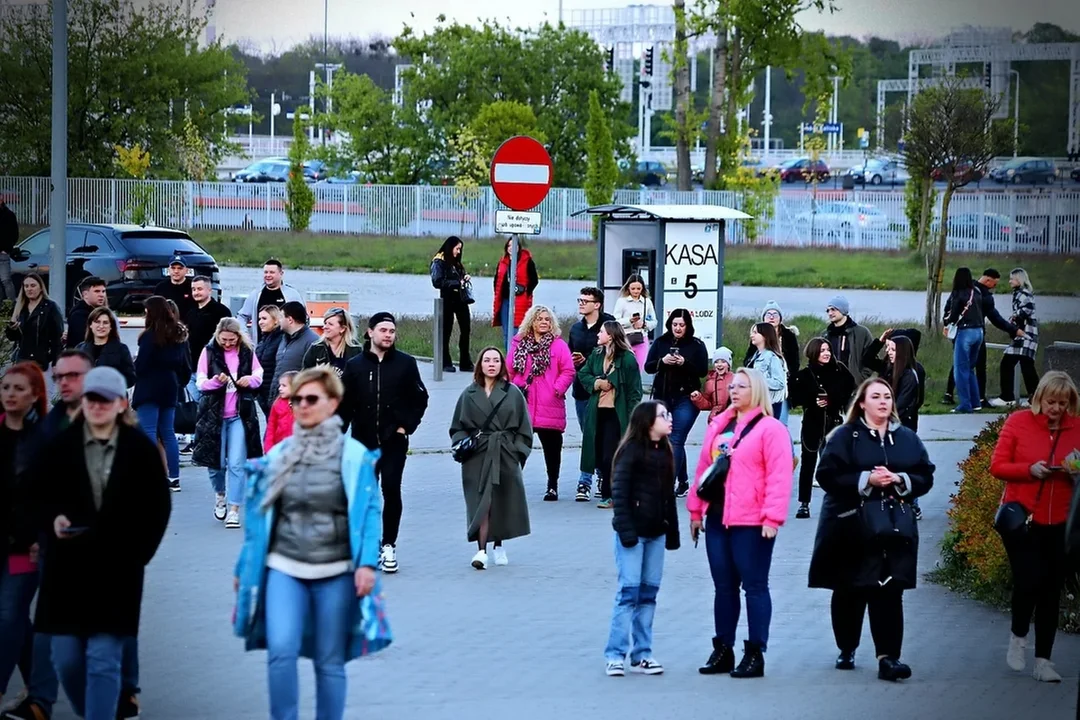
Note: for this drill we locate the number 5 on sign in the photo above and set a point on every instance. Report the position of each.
(689, 288)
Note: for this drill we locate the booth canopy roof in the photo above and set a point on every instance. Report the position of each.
(700, 213)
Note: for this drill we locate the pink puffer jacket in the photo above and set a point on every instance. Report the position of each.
(546, 394)
(758, 487)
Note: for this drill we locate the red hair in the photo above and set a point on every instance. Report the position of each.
(33, 374)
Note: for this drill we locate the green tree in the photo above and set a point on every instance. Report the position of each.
(300, 199)
(501, 120)
(132, 67)
(602, 171)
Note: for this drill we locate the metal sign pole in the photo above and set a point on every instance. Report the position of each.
(511, 287)
(58, 196)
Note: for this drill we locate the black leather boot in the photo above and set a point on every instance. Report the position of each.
(752, 664)
(721, 661)
(846, 660)
(892, 669)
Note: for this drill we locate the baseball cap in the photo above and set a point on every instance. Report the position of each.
(105, 382)
(177, 260)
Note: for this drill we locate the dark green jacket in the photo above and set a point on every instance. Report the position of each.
(625, 376)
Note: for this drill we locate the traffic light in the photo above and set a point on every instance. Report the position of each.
(609, 60)
(647, 62)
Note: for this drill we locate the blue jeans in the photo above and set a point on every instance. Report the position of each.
(581, 407)
(89, 670)
(640, 570)
(157, 423)
(683, 416)
(784, 413)
(16, 594)
(965, 357)
(326, 606)
(129, 670)
(739, 556)
(233, 457)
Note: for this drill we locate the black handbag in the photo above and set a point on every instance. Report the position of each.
(466, 447)
(711, 487)
(1012, 518)
(887, 520)
(187, 411)
(467, 293)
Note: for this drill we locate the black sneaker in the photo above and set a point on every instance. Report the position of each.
(682, 490)
(449, 368)
(26, 710)
(467, 367)
(803, 513)
(551, 495)
(186, 450)
(918, 512)
(174, 485)
(584, 493)
(948, 399)
(128, 707)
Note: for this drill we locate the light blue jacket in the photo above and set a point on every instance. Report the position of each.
(775, 372)
(369, 631)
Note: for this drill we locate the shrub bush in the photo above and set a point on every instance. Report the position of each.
(973, 559)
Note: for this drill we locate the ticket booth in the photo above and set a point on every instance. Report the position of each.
(679, 252)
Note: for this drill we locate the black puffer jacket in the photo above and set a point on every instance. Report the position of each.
(114, 354)
(382, 396)
(447, 276)
(208, 424)
(266, 351)
(836, 382)
(842, 558)
(643, 494)
(39, 334)
(675, 382)
(20, 495)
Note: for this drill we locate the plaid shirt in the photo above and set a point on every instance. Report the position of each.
(1023, 316)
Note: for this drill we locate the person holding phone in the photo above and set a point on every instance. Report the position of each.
(582, 342)
(679, 361)
(1029, 456)
(107, 497)
(635, 311)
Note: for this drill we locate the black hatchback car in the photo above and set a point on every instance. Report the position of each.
(131, 259)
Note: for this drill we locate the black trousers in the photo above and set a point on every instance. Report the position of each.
(980, 375)
(1027, 369)
(886, 606)
(389, 469)
(607, 441)
(454, 307)
(551, 441)
(807, 466)
(1038, 565)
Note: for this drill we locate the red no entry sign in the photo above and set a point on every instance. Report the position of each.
(521, 173)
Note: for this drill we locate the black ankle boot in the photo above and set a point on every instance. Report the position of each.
(752, 664)
(846, 660)
(721, 661)
(892, 669)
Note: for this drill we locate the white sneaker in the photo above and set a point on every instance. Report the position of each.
(1045, 672)
(999, 403)
(500, 556)
(232, 519)
(388, 559)
(219, 508)
(479, 560)
(647, 666)
(1015, 657)
(1025, 403)
(615, 668)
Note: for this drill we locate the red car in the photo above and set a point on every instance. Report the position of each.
(963, 173)
(803, 169)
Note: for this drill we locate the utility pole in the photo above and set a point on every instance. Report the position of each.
(58, 189)
(767, 122)
(330, 69)
(1016, 115)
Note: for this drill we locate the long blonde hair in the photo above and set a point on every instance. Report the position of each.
(232, 325)
(759, 389)
(1021, 275)
(530, 319)
(21, 302)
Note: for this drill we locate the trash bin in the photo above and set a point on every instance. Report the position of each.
(849, 182)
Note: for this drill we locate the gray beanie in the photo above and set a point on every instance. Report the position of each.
(772, 305)
(840, 303)
(722, 353)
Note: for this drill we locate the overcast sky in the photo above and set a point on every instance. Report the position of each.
(281, 23)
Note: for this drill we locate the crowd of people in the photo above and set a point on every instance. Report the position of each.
(306, 437)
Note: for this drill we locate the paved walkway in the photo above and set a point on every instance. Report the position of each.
(413, 295)
(526, 641)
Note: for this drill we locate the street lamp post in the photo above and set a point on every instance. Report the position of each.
(1016, 115)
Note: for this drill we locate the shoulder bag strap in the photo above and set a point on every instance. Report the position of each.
(1042, 483)
(749, 426)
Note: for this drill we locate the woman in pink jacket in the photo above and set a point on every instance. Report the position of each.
(740, 531)
(541, 366)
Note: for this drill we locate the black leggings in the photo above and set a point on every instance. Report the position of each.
(607, 441)
(886, 606)
(807, 466)
(1038, 565)
(454, 307)
(551, 441)
(1027, 369)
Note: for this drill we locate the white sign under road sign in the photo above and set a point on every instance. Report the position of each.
(692, 275)
(512, 222)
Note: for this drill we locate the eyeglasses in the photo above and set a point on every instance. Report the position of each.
(305, 400)
(772, 314)
(585, 301)
(663, 414)
(61, 377)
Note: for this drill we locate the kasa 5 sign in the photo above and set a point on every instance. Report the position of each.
(692, 275)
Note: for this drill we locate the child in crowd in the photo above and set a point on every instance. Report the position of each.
(279, 425)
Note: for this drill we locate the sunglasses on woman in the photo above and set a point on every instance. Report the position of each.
(302, 400)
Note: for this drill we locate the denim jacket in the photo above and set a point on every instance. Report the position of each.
(369, 632)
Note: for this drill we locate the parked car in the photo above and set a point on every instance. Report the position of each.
(995, 227)
(879, 171)
(650, 173)
(803, 169)
(277, 170)
(964, 172)
(1025, 170)
(1075, 174)
(842, 218)
(131, 259)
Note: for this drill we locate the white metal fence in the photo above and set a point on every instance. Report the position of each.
(983, 221)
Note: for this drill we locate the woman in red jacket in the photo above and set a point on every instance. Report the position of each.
(1029, 457)
(521, 289)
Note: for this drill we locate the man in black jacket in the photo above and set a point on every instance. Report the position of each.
(92, 295)
(583, 340)
(203, 318)
(385, 400)
(986, 286)
(177, 287)
(9, 235)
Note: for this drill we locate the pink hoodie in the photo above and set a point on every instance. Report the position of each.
(547, 393)
(758, 487)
